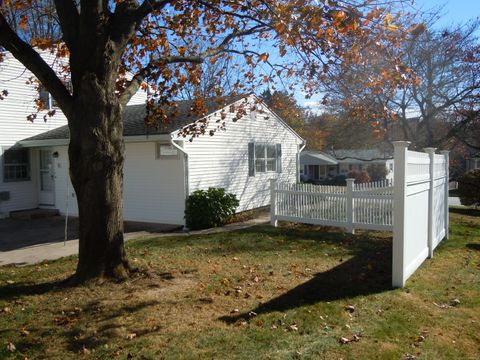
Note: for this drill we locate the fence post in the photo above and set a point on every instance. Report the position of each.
(273, 202)
(350, 215)
(431, 152)
(399, 209)
(445, 153)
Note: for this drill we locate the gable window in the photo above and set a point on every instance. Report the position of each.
(16, 165)
(264, 158)
(47, 98)
(165, 151)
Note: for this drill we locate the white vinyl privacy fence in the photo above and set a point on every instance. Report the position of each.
(414, 206)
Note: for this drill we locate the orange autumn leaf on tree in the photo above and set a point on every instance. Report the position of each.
(113, 48)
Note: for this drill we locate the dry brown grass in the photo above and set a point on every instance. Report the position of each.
(257, 293)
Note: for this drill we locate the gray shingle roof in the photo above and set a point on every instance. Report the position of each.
(359, 154)
(134, 116)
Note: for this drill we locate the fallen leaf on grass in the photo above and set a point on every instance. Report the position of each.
(11, 347)
(10, 282)
(24, 332)
(350, 308)
(85, 351)
(6, 310)
(131, 336)
(293, 327)
(355, 338)
(64, 320)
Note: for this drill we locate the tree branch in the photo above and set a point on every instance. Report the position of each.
(68, 18)
(24, 53)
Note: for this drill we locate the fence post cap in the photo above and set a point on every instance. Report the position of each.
(350, 180)
(401, 143)
(445, 152)
(429, 150)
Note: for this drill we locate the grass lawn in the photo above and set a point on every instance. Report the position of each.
(293, 292)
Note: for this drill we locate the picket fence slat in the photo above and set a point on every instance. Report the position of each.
(370, 204)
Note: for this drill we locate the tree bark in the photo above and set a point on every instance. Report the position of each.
(96, 154)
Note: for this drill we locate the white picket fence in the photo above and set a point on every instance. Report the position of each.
(414, 206)
(355, 206)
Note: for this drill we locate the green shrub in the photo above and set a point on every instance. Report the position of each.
(209, 208)
(469, 188)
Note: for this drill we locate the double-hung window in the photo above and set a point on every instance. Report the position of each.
(264, 158)
(16, 165)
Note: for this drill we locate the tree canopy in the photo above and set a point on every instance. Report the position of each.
(164, 43)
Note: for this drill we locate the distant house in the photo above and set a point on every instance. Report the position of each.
(317, 165)
(473, 162)
(25, 175)
(162, 168)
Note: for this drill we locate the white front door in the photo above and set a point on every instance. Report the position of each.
(45, 194)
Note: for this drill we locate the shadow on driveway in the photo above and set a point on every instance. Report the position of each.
(21, 233)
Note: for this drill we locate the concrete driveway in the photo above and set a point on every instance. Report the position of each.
(17, 234)
(30, 241)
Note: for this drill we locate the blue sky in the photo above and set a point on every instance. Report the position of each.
(453, 11)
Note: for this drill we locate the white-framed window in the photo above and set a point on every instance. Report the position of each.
(264, 158)
(16, 165)
(45, 97)
(165, 151)
(48, 99)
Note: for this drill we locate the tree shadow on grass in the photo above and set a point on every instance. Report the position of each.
(465, 211)
(473, 246)
(111, 326)
(14, 291)
(368, 272)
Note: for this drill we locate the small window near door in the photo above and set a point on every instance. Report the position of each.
(16, 165)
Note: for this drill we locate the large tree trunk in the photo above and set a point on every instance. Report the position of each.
(96, 154)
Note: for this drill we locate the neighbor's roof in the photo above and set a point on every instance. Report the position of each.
(134, 120)
(344, 155)
(316, 158)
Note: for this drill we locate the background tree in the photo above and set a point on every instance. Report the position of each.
(298, 117)
(159, 42)
(432, 111)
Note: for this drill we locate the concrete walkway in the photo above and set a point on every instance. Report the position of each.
(55, 250)
(454, 201)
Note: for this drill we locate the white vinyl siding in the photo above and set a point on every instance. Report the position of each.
(153, 189)
(222, 160)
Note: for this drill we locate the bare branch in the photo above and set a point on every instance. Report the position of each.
(24, 53)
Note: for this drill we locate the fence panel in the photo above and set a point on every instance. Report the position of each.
(363, 206)
(421, 208)
(414, 206)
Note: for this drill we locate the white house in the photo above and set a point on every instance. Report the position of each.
(317, 165)
(21, 179)
(162, 168)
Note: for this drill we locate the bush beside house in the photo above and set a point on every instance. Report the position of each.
(209, 208)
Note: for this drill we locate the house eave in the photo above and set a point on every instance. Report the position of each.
(62, 142)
